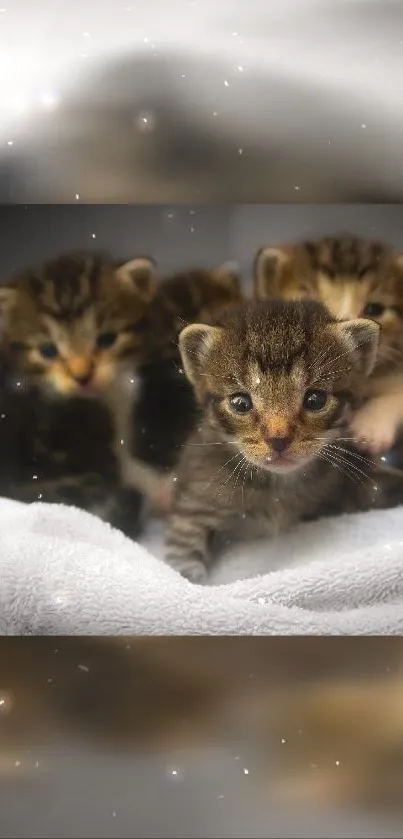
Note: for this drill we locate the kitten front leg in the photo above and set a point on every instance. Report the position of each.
(187, 542)
(134, 474)
(157, 487)
(376, 424)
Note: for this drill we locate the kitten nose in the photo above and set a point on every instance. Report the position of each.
(279, 444)
(81, 369)
(83, 380)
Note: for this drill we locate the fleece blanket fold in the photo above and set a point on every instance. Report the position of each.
(65, 572)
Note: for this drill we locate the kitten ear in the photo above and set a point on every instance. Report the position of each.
(268, 271)
(362, 336)
(228, 277)
(195, 342)
(140, 274)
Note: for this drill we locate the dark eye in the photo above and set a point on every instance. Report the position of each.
(48, 351)
(241, 403)
(106, 339)
(374, 310)
(315, 400)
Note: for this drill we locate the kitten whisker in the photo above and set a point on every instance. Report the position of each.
(327, 459)
(222, 443)
(358, 456)
(200, 373)
(348, 352)
(245, 472)
(222, 467)
(319, 358)
(349, 471)
(231, 459)
(327, 374)
(242, 464)
(231, 475)
(353, 466)
(358, 470)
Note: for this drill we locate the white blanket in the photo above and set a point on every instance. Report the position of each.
(64, 572)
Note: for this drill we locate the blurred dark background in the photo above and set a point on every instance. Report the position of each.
(182, 236)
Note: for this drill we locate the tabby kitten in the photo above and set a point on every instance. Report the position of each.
(276, 381)
(166, 409)
(354, 278)
(73, 334)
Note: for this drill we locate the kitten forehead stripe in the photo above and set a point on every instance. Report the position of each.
(344, 256)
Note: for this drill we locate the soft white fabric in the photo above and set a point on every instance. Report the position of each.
(63, 571)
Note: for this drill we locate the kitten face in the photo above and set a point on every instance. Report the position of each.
(352, 277)
(276, 378)
(69, 326)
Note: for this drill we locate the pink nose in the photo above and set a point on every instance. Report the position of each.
(83, 380)
(278, 444)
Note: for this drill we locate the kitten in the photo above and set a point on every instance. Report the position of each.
(166, 409)
(354, 278)
(73, 334)
(276, 381)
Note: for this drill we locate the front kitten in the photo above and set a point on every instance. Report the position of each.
(73, 334)
(166, 410)
(354, 278)
(276, 381)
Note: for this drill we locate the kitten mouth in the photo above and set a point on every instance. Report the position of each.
(86, 391)
(282, 463)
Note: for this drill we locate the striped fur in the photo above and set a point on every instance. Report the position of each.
(353, 277)
(232, 482)
(74, 328)
(166, 411)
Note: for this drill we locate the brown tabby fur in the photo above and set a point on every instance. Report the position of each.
(348, 273)
(191, 296)
(69, 303)
(166, 411)
(231, 479)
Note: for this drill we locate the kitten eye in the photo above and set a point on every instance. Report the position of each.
(315, 400)
(48, 351)
(241, 403)
(106, 339)
(374, 310)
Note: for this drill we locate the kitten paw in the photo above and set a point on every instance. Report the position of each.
(374, 431)
(192, 569)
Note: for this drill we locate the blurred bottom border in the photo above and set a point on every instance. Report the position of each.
(229, 736)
